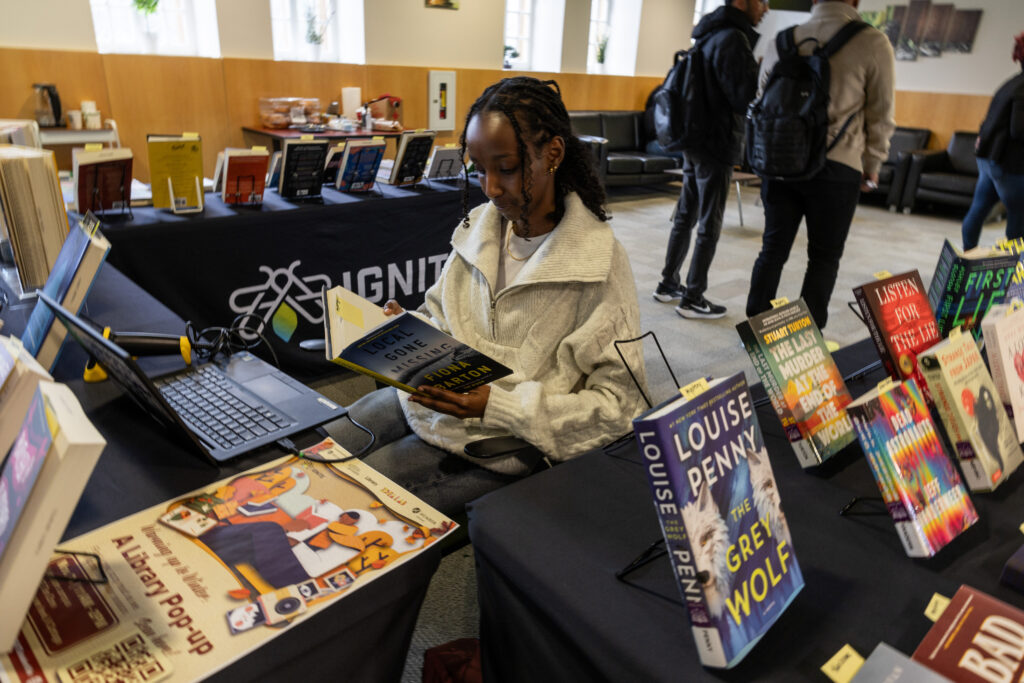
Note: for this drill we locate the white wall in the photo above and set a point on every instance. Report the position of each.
(405, 32)
(53, 25)
(665, 26)
(244, 27)
(979, 73)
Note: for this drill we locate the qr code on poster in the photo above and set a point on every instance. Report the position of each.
(131, 660)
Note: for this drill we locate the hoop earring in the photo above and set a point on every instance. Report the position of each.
(552, 169)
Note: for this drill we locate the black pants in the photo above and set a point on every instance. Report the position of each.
(705, 189)
(828, 202)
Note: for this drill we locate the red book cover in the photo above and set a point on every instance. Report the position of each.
(902, 323)
(103, 180)
(244, 178)
(977, 638)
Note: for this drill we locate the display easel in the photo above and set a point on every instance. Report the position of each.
(253, 200)
(186, 209)
(122, 203)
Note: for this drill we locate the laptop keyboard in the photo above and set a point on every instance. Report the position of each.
(210, 405)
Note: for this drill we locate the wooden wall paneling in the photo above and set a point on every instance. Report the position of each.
(150, 94)
(942, 113)
(247, 80)
(77, 75)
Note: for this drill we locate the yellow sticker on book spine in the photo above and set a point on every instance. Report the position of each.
(882, 274)
(259, 148)
(695, 388)
(190, 135)
(93, 146)
(306, 137)
(781, 301)
(350, 313)
(844, 665)
(936, 606)
(449, 145)
(377, 137)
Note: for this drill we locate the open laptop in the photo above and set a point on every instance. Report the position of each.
(225, 408)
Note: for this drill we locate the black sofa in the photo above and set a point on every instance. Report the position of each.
(943, 176)
(618, 139)
(892, 176)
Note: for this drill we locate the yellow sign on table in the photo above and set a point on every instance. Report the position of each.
(936, 606)
(882, 274)
(781, 301)
(844, 665)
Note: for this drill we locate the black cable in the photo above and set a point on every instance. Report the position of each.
(289, 446)
(210, 341)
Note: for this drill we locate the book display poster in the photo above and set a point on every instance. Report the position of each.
(198, 582)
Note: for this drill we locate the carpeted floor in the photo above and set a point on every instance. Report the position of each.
(879, 240)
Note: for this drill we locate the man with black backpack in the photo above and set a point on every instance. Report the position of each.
(725, 39)
(811, 170)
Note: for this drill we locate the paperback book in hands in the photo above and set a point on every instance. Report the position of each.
(404, 350)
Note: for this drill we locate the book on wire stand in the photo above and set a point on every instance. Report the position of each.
(714, 492)
(920, 485)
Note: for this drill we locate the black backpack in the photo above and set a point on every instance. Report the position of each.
(787, 126)
(681, 118)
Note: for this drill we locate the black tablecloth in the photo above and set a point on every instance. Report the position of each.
(365, 636)
(547, 550)
(272, 261)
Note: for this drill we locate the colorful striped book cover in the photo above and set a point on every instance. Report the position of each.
(919, 483)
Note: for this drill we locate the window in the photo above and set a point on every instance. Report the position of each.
(318, 30)
(614, 36)
(176, 27)
(518, 29)
(600, 33)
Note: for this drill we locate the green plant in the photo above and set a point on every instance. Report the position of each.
(146, 6)
(315, 31)
(511, 52)
(602, 48)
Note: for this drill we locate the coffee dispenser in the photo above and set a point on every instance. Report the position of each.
(48, 113)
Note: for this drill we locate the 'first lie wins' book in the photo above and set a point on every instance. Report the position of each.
(404, 350)
(721, 515)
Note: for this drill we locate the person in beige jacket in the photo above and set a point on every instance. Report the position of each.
(861, 87)
(537, 281)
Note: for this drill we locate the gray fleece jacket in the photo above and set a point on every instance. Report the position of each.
(554, 327)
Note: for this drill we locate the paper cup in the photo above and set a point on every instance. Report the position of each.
(92, 120)
(75, 119)
(88, 105)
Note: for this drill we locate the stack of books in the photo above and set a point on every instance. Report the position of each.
(32, 217)
(51, 449)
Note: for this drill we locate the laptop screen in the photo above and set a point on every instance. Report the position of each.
(116, 361)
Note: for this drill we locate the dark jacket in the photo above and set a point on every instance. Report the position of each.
(727, 44)
(1002, 134)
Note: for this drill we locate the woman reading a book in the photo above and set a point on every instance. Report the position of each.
(537, 281)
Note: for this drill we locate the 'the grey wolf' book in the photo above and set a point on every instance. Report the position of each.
(721, 515)
(403, 350)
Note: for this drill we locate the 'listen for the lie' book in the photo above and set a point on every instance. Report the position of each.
(403, 350)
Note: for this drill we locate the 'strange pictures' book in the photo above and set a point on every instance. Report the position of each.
(801, 379)
(721, 515)
(918, 482)
(972, 413)
(404, 350)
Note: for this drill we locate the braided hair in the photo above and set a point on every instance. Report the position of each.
(537, 114)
